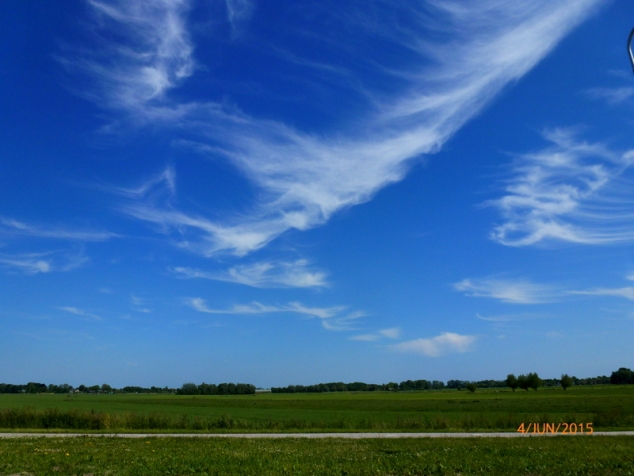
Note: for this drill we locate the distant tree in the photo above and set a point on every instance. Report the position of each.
(106, 388)
(534, 381)
(471, 387)
(522, 382)
(622, 376)
(511, 381)
(188, 389)
(34, 387)
(566, 381)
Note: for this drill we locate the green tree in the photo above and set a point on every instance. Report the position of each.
(471, 387)
(511, 381)
(188, 389)
(566, 381)
(534, 381)
(622, 376)
(522, 382)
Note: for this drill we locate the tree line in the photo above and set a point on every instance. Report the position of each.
(186, 389)
(220, 389)
(531, 380)
(622, 376)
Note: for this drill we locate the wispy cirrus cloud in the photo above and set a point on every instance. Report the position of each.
(155, 56)
(31, 263)
(626, 292)
(503, 318)
(163, 181)
(238, 11)
(256, 308)
(11, 227)
(264, 274)
(391, 333)
(510, 291)
(307, 176)
(46, 262)
(610, 95)
(445, 343)
(80, 312)
(573, 191)
(332, 318)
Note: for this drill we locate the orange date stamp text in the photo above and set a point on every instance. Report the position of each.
(552, 428)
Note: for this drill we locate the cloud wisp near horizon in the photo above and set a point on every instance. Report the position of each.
(306, 176)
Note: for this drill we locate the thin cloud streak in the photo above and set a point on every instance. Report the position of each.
(13, 227)
(80, 312)
(331, 318)
(391, 333)
(611, 95)
(510, 291)
(306, 177)
(47, 262)
(625, 292)
(256, 308)
(509, 317)
(572, 192)
(238, 11)
(28, 264)
(264, 274)
(445, 343)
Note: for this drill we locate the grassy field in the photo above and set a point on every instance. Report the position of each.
(180, 456)
(607, 407)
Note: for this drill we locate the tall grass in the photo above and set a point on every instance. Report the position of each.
(55, 419)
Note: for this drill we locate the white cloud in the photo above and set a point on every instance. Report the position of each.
(46, 262)
(509, 317)
(238, 11)
(156, 56)
(9, 226)
(306, 177)
(257, 308)
(80, 312)
(140, 304)
(445, 343)
(572, 191)
(511, 291)
(264, 274)
(166, 180)
(392, 333)
(29, 264)
(331, 318)
(625, 292)
(611, 95)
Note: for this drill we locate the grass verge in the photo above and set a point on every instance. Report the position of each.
(182, 456)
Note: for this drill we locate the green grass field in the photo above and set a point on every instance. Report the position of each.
(181, 456)
(607, 407)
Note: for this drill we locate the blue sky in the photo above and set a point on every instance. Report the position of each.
(297, 192)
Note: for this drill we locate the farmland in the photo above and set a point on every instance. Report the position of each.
(608, 407)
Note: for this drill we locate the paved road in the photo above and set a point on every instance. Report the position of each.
(305, 435)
